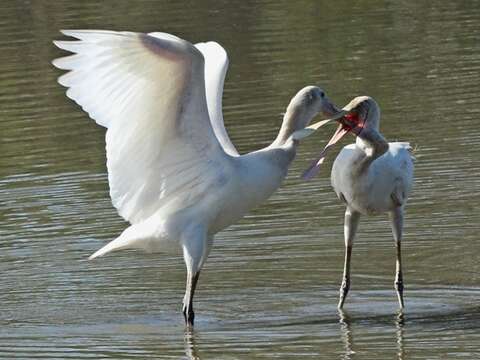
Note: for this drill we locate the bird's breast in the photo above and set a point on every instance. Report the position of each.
(369, 191)
(254, 181)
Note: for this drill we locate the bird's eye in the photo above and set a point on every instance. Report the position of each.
(322, 94)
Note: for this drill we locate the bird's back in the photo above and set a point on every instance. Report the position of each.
(370, 190)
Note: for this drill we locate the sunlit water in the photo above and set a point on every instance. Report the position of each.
(269, 288)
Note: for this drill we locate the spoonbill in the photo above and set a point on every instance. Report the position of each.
(371, 176)
(173, 172)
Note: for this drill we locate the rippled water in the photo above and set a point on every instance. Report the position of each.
(269, 288)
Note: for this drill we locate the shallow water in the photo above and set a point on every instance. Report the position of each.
(270, 286)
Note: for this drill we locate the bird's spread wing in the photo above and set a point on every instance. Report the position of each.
(216, 65)
(148, 90)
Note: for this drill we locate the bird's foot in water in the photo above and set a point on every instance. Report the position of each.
(189, 316)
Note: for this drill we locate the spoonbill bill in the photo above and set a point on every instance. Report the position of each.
(173, 172)
(371, 176)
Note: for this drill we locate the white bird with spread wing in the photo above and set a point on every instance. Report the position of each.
(173, 172)
(371, 176)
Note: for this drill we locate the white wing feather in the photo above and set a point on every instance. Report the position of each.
(149, 91)
(216, 65)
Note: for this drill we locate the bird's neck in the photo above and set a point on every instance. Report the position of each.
(371, 141)
(293, 120)
(261, 172)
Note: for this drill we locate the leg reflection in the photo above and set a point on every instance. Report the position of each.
(399, 324)
(346, 335)
(190, 347)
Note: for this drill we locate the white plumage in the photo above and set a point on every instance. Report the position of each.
(372, 176)
(173, 172)
(386, 183)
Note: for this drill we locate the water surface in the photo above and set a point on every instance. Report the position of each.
(269, 288)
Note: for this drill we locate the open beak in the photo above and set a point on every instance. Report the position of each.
(309, 130)
(349, 122)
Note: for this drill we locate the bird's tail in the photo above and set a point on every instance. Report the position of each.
(414, 151)
(131, 238)
(113, 245)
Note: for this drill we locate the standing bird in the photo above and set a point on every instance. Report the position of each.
(371, 176)
(173, 172)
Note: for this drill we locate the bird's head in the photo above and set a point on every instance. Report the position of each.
(307, 103)
(304, 106)
(358, 114)
(362, 111)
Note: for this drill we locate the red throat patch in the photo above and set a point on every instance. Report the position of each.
(350, 122)
(355, 120)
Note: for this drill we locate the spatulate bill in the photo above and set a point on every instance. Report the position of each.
(314, 168)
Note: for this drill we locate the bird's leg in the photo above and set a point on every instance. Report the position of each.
(195, 247)
(188, 313)
(397, 227)
(350, 228)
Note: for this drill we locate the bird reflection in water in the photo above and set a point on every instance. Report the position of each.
(399, 323)
(190, 346)
(346, 334)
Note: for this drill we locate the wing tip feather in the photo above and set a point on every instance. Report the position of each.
(66, 45)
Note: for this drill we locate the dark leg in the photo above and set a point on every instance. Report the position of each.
(397, 226)
(352, 219)
(195, 248)
(188, 313)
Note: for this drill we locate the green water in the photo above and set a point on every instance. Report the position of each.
(269, 288)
